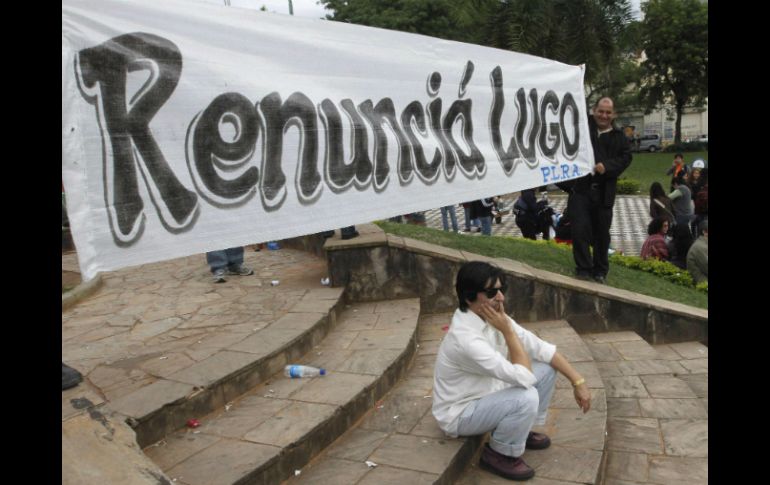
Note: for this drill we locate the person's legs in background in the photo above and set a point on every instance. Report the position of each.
(486, 225)
(580, 213)
(444, 220)
(467, 212)
(453, 217)
(235, 264)
(602, 219)
(227, 261)
(217, 261)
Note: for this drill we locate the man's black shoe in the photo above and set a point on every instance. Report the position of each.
(600, 279)
(350, 236)
(69, 377)
(584, 277)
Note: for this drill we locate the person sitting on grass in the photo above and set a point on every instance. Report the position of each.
(655, 244)
(698, 255)
(660, 204)
(679, 245)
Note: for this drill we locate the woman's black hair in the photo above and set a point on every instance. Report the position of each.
(655, 226)
(473, 277)
(656, 191)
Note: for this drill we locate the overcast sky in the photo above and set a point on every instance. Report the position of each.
(310, 8)
(302, 8)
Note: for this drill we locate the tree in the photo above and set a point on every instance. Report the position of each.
(675, 42)
(591, 32)
(586, 32)
(425, 17)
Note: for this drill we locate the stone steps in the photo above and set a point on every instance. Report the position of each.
(266, 434)
(166, 404)
(402, 438)
(657, 409)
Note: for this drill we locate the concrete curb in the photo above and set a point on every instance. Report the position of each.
(81, 291)
(382, 266)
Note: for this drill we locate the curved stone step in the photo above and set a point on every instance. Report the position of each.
(265, 435)
(403, 439)
(163, 406)
(657, 418)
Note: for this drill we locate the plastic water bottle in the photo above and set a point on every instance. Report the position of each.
(294, 371)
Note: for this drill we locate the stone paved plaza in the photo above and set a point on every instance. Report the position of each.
(160, 343)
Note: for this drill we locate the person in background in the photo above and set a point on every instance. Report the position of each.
(227, 262)
(655, 244)
(679, 245)
(698, 255)
(525, 208)
(482, 210)
(701, 200)
(678, 169)
(563, 228)
(470, 222)
(416, 218)
(593, 196)
(681, 200)
(660, 205)
(450, 211)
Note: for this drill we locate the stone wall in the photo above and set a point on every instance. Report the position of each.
(377, 266)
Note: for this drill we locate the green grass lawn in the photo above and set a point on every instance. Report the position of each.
(552, 257)
(651, 167)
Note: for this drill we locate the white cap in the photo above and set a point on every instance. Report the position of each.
(698, 164)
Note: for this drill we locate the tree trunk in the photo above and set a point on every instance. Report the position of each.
(678, 126)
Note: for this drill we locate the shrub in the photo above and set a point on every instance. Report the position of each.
(628, 186)
(664, 269)
(690, 146)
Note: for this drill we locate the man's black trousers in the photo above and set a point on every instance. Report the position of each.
(590, 227)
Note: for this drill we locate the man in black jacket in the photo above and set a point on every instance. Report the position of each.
(593, 196)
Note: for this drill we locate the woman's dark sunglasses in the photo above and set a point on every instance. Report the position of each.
(492, 292)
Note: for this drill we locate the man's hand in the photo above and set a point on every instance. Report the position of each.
(496, 318)
(583, 397)
(599, 167)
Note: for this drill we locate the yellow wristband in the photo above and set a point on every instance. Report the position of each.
(578, 382)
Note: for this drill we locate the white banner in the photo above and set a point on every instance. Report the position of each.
(189, 127)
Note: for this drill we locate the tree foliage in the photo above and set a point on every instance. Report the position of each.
(427, 17)
(675, 41)
(596, 33)
(585, 32)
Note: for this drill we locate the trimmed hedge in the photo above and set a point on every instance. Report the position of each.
(664, 269)
(628, 186)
